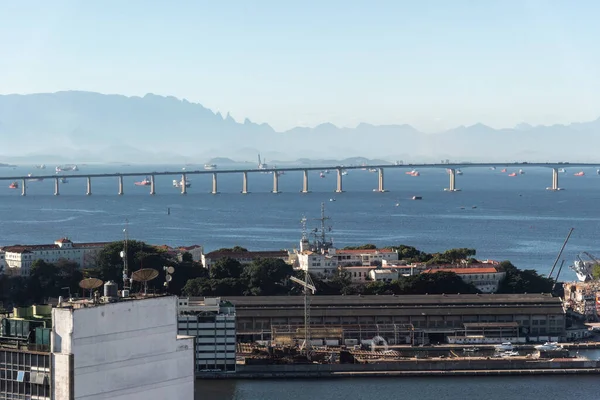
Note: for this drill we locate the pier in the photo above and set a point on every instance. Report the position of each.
(277, 172)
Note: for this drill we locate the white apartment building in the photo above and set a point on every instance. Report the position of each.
(324, 264)
(19, 258)
(212, 322)
(485, 279)
(366, 257)
(384, 274)
(128, 349)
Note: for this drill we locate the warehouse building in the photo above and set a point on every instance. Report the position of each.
(432, 318)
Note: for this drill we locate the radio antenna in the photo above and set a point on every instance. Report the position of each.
(124, 256)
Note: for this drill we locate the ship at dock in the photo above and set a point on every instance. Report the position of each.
(584, 268)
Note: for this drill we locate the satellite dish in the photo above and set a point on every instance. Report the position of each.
(90, 283)
(170, 270)
(168, 278)
(144, 275)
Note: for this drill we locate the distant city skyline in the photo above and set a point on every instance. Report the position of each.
(434, 65)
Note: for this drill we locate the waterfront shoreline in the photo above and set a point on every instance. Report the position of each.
(390, 374)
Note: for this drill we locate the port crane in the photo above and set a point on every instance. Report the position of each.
(560, 253)
(308, 286)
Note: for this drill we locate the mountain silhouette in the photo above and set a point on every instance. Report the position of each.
(87, 126)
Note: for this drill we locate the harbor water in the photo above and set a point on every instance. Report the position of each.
(425, 388)
(503, 217)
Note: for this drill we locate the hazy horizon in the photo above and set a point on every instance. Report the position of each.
(433, 65)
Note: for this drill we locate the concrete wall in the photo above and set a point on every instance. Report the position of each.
(126, 350)
(448, 365)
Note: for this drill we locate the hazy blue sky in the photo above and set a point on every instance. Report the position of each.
(432, 64)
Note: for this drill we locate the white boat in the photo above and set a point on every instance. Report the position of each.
(178, 184)
(521, 172)
(41, 166)
(210, 166)
(344, 172)
(459, 172)
(548, 346)
(562, 170)
(470, 349)
(507, 354)
(506, 346)
(373, 170)
(63, 168)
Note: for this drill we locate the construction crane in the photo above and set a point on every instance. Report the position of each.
(308, 285)
(560, 253)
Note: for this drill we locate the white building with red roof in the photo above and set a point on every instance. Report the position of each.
(19, 258)
(486, 279)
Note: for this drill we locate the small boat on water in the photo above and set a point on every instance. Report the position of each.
(32, 179)
(417, 198)
(344, 172)
(512, 174)
(521, 172)
(63, 180)
(503, 170)
(459, 172)
(210, 166)
(41, 166)
(580, 173)
(14, 185)
(145, 182)
(414, 172)
(322, 175)
(562, 170)
(373, 169)
(179, 184)
(548, 346)
(506, 346)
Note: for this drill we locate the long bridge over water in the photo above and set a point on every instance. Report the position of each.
(451, 167)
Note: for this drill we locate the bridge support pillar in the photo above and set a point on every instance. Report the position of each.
(245, 183)
(275, 182)
(152, 187)
(452, 188)
(554, 186)
(381, 185)
(56, 191)
(89, 186)
(305, 182)
(214, 184)
(339, 188)
(183, 184)
(120, 185)
(23, 187)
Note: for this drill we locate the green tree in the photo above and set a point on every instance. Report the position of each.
(267, 277)
(432, 283)
(139, 255)
(226, 268)
(596, 271)
(412, 254)
(197, 287)
(523, 281)
(186, 256)
(368, 246)
(44, 281)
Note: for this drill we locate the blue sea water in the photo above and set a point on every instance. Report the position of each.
(515, 217)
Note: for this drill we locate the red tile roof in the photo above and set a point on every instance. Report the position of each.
(365, 251)
(463, 271)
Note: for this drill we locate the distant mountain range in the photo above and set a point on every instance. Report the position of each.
(91, 127)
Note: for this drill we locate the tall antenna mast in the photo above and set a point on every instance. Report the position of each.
(124, 256)
(303, 222)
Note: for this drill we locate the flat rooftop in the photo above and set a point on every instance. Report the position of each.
(398, 301)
